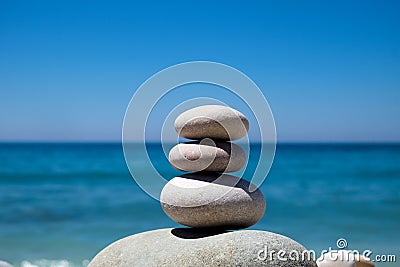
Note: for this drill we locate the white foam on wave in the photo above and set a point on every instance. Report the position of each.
(5, 264)
(53, 263)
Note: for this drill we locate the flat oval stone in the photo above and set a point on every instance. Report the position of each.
(212, 121)
(188, 247)
(205, 156)
(212, 200)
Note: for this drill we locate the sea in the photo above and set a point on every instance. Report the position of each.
(61, 203)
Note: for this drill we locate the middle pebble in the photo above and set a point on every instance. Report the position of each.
(207, 155)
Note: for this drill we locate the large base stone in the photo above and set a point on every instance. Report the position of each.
(197, 247)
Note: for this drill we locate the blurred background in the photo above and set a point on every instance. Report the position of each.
(330, 71)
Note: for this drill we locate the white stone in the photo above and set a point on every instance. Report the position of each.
(207, 156)
(212, 121)
(212, 200)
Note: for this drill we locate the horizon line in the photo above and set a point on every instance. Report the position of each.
(380, 142)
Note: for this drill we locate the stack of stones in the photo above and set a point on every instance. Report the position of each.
(210, 202)
(209, 198)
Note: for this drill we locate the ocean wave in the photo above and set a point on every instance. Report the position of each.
(52, 176)
(52, 263)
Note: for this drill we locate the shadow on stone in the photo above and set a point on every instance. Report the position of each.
(222, 179)
(195, 233)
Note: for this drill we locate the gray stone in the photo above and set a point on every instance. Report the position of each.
(207, 156)
(198, 248)
(212, 121)
(212, 200)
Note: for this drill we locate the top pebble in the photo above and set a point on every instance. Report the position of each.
(212, 121)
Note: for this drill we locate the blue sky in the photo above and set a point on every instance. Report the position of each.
(329, 69)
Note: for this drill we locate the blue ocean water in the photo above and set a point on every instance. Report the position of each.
(62, 203)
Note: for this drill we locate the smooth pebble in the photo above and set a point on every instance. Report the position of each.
(212, 200)
(212, 121)
(207, 156)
